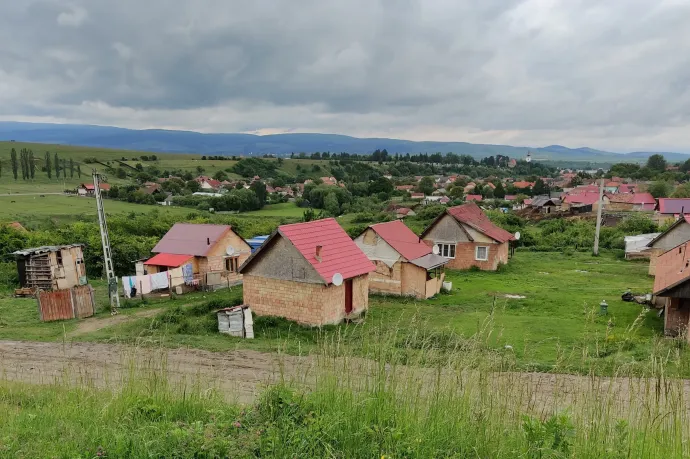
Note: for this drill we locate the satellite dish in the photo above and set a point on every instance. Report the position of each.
(517, 236)
(230, 251)
(435, 250)
(337, 279)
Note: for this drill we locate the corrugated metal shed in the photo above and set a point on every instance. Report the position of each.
(44, 249)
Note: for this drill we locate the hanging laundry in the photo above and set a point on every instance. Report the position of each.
(188, 274)
(127, 286)
(143, 284)
(176, 277)
(159, 281)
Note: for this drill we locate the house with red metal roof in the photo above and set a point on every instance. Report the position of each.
(672, 282)
(671, 208)
(676, 234)
(87, 189)
(582, 200)
(630, 201)
(405, 265)
(473, 197)
(312, 273)
(466, 236)
(215, 252)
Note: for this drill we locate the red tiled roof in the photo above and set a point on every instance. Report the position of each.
(625, 188)
(510, 197)
(471, 215)
(473, 197)
(403, 210)
(674, 205)
(585, 189)
(190, 238)
(90, 187)
(523, 184)
(417, 195)
(581, 198)
(170, 260)
(402, 239)
(339, 253)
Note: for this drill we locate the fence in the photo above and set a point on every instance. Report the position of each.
(77, 302)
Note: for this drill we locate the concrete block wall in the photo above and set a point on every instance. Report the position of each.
(386, 280)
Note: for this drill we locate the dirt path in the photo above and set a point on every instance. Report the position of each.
(242, 374)
(94, 324)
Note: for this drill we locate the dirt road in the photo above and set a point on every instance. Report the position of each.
(239, 374)
(242, 374)
(91, 325)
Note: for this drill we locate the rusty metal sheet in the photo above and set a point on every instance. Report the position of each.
(55, 305)
(82, 298)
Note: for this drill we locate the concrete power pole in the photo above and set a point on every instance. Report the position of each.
(601, 205)
(105, 240)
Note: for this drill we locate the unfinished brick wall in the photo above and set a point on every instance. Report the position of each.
(306, 303)
(653, 258)
(465, 256)
(386, 280)
(413, 281)
(676, 317)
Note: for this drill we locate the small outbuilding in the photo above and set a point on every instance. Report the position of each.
(405, 265)
(312, 273)
(672, 282)
(466, 237)
(676, 234)
(55, 267)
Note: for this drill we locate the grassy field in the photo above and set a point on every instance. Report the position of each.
(556, 327)
(285, 209)
(30, 210)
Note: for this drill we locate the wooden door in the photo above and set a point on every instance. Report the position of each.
(348, 296)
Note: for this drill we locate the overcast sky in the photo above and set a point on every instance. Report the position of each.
(610, 74)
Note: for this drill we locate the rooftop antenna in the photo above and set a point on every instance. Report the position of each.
(105, 240)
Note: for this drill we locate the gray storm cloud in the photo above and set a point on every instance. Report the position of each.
(611, 74)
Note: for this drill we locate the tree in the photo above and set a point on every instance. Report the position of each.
(660, 188)
(56, 164)
(259, 189)
(683, 191)
(71, 168)
(500, 192)
(79, 170)
(220, 176)
(426, 185)
(64, 168)
(22, 162)
(657, 163)
(49, 169)
(13, 160)
(456, 192)
(192, 186)
(539, 188)
(32, 164)
(330, 204)
(380, 185)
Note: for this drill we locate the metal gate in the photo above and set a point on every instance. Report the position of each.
(77, 302)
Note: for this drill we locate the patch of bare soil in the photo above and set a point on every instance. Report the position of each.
(94, 324)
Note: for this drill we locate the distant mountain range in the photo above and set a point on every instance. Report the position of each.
(159, 140)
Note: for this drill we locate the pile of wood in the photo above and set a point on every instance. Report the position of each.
(24, 292)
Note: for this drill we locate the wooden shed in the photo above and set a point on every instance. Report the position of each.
(53, 267)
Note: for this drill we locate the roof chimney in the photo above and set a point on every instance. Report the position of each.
(318, 253)
(208, 241)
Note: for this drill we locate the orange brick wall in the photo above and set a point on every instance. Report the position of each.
(386, 280)
(306, 303)
(465, 254)
(413, 281)
(676, 317)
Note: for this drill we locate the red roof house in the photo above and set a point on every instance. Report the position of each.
(215, 252)
(581, 199)
(466, 236)
(628, 188)
(473, 197)
(309, 272)
(670, 207)
(630, 201)
(404, 264)
(522, 185)
(87, 189)
(672, 282)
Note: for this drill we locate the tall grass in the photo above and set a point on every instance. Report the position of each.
(377, 393)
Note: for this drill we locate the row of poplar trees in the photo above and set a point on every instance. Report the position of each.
(26, 162)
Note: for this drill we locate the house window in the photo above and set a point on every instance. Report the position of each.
(446, 250)
(232, 264)
(481, 253)
(58, 255)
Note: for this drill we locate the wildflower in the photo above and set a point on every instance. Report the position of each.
(237, 424)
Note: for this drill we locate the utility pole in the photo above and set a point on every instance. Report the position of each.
(105, 240)
(601, 205)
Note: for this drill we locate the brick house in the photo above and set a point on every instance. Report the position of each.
(466, 236)
(630, 201)
(404, 264)
(676, 234)
(87, 189)
(669, 209)
(215, 252)
(672, 282)
(292, 274)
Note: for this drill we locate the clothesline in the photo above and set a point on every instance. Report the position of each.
(147, 283)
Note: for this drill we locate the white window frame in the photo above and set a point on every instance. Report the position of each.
(476, 253)
(445, 249)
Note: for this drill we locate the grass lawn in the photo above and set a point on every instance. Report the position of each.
(31, 209)
(555, 327)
